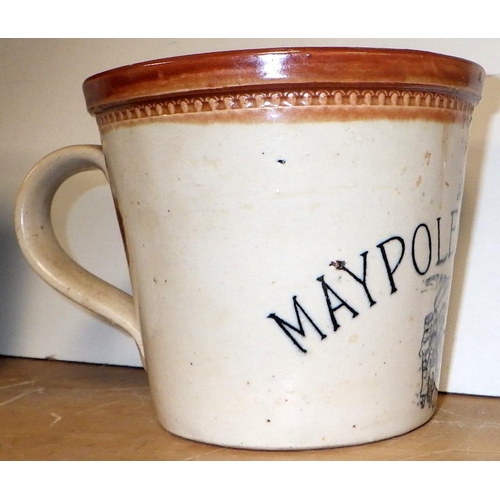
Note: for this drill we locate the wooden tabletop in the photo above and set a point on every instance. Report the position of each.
(53, 410)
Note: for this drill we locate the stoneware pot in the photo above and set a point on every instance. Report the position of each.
(290, 218)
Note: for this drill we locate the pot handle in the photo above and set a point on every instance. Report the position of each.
(44, 253)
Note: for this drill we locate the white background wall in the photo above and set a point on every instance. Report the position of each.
(42, 109)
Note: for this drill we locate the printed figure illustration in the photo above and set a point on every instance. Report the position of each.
(431, 346)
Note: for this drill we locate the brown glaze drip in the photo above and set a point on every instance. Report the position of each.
(214, 84)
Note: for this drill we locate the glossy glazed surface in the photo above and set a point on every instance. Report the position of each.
(287, 69)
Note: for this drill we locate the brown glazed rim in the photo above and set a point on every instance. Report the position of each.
(284, 68)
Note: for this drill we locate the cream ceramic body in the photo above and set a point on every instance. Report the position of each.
(226, 224)
(290, 255)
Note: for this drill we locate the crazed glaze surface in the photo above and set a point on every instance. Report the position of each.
(290, 220)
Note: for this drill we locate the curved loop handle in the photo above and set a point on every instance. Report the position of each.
(43, 251)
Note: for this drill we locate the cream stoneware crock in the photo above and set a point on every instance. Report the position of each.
(290, 218)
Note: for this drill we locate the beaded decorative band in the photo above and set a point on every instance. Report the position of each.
(223, 103)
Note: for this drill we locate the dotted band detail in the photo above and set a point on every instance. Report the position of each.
(282, 99)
